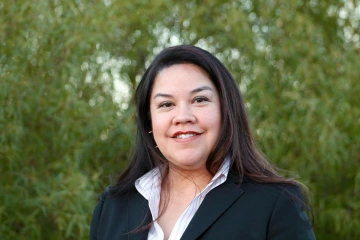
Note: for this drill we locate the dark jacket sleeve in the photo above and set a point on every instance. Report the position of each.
(289, 220)
(96, 217)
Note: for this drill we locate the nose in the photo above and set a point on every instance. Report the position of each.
(183, 115)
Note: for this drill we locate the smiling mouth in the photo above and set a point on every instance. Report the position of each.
(184, 136)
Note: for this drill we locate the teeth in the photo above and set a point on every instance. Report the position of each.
(183, 136)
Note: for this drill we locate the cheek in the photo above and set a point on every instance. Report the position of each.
(159, 124)
(213, 117)
(214, 123)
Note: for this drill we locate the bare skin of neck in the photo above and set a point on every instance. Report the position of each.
(182, 188)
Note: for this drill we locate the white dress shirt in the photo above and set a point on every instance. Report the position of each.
(149, 186)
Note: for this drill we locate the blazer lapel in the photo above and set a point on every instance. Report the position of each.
(138, 216)
(215, 203)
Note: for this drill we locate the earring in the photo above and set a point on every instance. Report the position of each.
(150, 132)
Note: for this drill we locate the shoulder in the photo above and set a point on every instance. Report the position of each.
(106, 202)
(274, 196)
(285, 209)
(109, 199)
(111, 213)
(273, 190)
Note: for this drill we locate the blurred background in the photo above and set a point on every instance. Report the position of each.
(69, 68)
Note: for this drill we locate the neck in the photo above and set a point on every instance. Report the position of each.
(188, 180)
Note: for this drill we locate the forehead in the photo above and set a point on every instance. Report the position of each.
(181, 77)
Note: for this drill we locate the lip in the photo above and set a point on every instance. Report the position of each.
(186, 140)
(185, 132)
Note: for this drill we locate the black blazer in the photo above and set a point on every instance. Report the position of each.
(230, 211)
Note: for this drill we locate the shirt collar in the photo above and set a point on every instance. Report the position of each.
(152, 179)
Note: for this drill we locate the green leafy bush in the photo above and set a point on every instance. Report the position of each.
(68, 69)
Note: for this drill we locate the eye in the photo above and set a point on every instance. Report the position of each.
(165, 104)
(201, 99)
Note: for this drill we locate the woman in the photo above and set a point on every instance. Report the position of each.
(196, 172)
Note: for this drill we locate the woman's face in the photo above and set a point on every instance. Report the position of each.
(185, 114)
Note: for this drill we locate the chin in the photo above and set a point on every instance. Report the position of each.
(189, 165)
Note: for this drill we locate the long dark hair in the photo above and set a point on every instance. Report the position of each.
(235, 141)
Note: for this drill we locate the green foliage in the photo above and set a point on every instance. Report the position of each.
(66, 129)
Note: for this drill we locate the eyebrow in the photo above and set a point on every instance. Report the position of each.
(196, 90)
